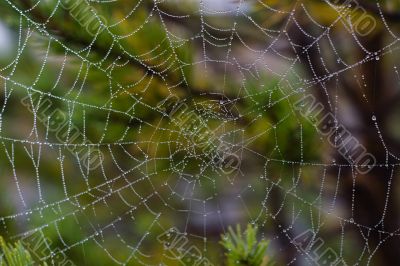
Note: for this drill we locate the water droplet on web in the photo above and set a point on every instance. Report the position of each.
(373, 118)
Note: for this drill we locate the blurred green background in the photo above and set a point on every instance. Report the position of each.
(123, 119)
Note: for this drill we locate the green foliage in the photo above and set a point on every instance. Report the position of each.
(243, 248)
(14, 255)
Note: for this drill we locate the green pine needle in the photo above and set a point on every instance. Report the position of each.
(244, 249)
(14, 255)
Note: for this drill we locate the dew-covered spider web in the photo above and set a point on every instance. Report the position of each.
(137, 132)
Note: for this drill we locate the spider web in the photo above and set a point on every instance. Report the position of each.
(181, 118)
